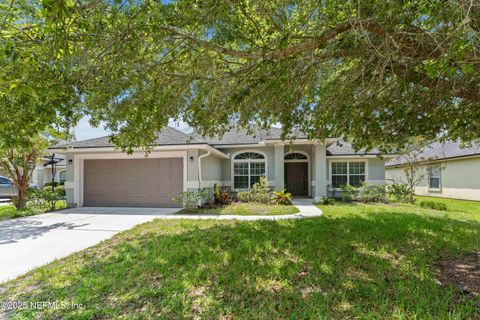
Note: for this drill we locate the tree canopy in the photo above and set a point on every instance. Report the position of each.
(375, 72)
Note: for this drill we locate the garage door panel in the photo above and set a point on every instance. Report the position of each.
(177, 188)
(176, 171)
(133, 182)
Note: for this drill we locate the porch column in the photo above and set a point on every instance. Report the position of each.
(320, 171)
(279, 167)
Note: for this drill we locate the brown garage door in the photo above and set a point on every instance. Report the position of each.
(133, 182)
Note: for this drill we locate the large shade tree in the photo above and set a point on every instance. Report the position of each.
(375, 72)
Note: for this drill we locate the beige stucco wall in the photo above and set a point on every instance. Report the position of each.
(460, 179)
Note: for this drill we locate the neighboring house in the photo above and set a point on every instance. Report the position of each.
(99, 175)
(450, 171)
(43, 172)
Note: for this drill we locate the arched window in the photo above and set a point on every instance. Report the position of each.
(248, 167)
(295, 156)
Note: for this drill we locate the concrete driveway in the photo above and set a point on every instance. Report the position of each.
(26, 243)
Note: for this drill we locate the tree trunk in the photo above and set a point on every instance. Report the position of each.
(19, 166)
(21, 199)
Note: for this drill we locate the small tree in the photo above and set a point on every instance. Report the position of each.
(411, 155)
(19, 164)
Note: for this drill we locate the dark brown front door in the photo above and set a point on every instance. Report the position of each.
(296, 178)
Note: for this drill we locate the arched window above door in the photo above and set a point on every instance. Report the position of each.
(295, 156)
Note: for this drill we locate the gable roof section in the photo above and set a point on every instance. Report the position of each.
(441, 151)
(343, 148)
(167, 136)
(242, 136)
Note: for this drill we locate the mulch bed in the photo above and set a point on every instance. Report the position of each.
(463, 273)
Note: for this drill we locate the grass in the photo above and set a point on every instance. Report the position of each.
(10, 212)
(356, 261)
(455, 205)
(246, 209)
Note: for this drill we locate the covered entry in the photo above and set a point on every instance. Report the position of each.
(297, 174)
(132, 182)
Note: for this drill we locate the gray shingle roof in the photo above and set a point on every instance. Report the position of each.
(343, 148)
(242, 136)
(167, 136)
(441, 150)
(172, 136)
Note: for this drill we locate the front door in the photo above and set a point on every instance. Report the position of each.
(296, 178)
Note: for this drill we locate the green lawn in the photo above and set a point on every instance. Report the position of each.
(246, 209)
(356, 261)
(455, 205)
(10, 212)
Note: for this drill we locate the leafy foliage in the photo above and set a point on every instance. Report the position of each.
(433, 205)
(401, 192)
(281, 197)
(348, 192)
(375, 72)
(191, 199)
(260, 192)
(365, 193)
(46, 198)
(372, 193)
(221, 197)
(328, 201)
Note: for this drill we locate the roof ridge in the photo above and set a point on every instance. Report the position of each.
(186, 134)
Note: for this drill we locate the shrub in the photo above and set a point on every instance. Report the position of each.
(191, 199)
(399, 191)
(433, 205)
(49, 184)
(348, 193)
(328, 201)
(260, 192)
(371, 193)
(282, 197)
(49, 188)
(40, 199)
(221, 197)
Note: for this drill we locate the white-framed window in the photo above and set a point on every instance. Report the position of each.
(62, 176)
(347, 172)
(434, 181)
(248, 167)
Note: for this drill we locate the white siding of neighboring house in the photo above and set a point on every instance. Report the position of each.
(459, 179)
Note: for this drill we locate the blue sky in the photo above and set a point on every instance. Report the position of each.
(85, 131)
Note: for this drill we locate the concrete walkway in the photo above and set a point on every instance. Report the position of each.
(305, 206)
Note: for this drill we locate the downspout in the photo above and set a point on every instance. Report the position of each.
(200, 173)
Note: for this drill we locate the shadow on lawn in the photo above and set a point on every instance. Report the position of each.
(377, 265)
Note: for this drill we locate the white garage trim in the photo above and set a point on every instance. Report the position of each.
(78, 164)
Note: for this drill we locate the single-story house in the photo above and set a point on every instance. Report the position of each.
(98, 174)
(449, 171)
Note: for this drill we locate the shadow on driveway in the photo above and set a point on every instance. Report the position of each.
(12, 231)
